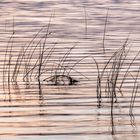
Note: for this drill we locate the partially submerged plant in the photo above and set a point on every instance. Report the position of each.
(7, 64)
(111, 78)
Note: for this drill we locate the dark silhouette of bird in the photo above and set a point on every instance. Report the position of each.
(61, 80)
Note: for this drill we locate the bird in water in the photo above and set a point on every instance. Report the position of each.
(61, 80)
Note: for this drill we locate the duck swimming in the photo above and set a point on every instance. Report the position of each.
(61, 80)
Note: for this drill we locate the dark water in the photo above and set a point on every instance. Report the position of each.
(38, 111)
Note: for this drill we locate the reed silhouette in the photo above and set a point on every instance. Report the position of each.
(32, 64)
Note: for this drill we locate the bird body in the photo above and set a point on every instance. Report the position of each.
(61, 80)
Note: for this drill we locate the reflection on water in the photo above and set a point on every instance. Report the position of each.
(30, 108)
(116, 1)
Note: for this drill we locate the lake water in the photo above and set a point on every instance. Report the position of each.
(77, 32)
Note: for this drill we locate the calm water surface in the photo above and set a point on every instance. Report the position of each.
(67, 112)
